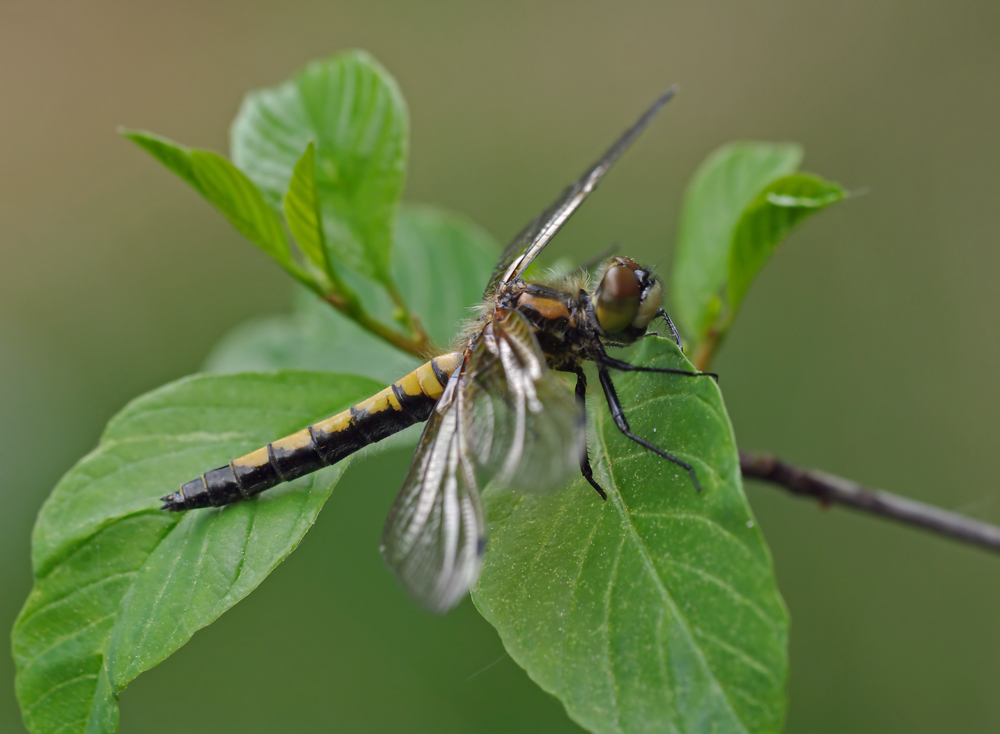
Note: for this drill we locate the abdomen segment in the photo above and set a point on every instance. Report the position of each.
(405, 402)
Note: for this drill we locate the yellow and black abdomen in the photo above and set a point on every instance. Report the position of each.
(405, 402)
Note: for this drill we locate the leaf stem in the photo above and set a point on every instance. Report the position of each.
(418, 347)
(340, 289)
(833, 490)
(412, 320)
(705, 352)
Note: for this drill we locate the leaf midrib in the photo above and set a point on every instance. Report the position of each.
(115, 613)
(615, 497)
(69, 595)
(48, 693)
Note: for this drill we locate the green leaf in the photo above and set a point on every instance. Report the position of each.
(351, 108)
(433, 247)
(302, 213)
(727, 182)
(658, 609)
(443, 263)
(121, 584)
(175, 157)
(768, 220)
(314, 337)
(228, 189)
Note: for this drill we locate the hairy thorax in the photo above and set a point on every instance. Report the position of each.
(562, 321)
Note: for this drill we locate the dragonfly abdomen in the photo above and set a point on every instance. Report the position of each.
(407, 401)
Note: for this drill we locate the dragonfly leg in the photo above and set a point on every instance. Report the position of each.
(614, 404)
(673, 329)
(581, 398)
(618, 364)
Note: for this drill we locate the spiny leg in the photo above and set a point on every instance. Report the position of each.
(619, 417)
(673, 329)
(581, 398)
(626, 367)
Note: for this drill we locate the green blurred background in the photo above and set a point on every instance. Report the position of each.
(867, 348)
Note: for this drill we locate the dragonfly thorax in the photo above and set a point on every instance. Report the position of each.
(573, 323)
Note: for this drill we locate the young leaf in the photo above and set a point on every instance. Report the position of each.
(351, 108)
(433, 247)
(302, 213)
(658, 609)
(228, 189)
(724, 185)
(444, 261)
(121, 584)
(175, 157)
(768, 220)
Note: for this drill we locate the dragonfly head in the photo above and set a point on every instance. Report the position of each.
(627, 298)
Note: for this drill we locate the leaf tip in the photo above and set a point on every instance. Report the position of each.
(133, 134)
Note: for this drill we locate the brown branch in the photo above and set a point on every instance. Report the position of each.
(832, 490)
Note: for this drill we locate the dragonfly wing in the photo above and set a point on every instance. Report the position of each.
(436, 532)
(504, 416)
(536, 235)
(527, 429)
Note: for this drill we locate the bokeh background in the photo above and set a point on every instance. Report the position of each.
(867, 348)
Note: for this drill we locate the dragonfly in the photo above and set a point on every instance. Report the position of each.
(495, 409)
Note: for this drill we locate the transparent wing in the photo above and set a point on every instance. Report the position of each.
(537, 234)
(503, 416)
(526, 428)
(436, 532)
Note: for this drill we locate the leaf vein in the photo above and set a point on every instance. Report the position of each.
(739, 653)
(651, 567)
(607, 636)
(62, 599)
(761, 562)
(538, 554)
(48, 694)
(63, 638)
(723, 584)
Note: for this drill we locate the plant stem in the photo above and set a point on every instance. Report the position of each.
(833, 490)
(419, 346)
(705, 352)
(703, 355)
(412, 320)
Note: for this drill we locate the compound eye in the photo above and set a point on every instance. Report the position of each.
(649, 307)
(617, 299)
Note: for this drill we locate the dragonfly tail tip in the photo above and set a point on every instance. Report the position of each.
(173, 502)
